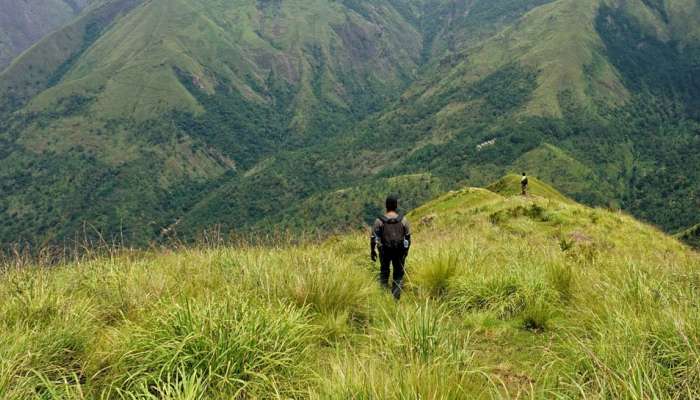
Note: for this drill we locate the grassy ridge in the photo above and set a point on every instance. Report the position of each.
(507, 297)
(510, 186)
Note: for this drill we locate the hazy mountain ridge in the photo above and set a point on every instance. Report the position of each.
(23, 23)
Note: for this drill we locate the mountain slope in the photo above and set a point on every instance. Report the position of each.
(23, 23)
(570, 82)
(165, 93)
(505, 296)
(203, 113)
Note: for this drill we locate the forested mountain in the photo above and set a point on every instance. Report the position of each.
(145, 117)
(23, 23)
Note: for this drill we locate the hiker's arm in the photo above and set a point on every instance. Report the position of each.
(407, 235)
(374, 238)
(406, 238)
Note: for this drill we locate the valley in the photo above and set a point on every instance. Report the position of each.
(141, 117)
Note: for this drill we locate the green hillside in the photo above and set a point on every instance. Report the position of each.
(691, 236)
(163, 98)
(508, 297)
(570, 175)
(142, 116)
(353, 208)
(609, 118)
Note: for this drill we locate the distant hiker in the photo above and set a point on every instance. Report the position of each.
(524, 184)
(392, 235)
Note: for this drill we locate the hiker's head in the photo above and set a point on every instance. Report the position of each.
(523, 174)
(392, 203)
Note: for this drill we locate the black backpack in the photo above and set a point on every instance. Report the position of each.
(393, 232)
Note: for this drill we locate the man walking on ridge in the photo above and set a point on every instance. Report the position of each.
(392, 235)
(524, 184)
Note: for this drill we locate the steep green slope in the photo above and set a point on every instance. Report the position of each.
(23, 23)
(573, 177)
(194, 114)
(587, 77)
(47, 61)
(162, 98)
(507, 297)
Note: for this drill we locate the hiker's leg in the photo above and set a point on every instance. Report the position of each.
(384, 262)
(398, 261)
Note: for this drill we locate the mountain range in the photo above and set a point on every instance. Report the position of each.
(151, 119)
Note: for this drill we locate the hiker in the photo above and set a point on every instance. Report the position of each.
(524, 184)
(392, 235)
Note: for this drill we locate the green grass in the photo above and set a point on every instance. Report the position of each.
(691, 236)
(561, 302)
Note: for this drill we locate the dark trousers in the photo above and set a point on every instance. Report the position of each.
(395, 257)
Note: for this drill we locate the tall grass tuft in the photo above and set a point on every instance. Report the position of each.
(330, 288)
(503, 295)
(424, 332)
(561, 278)
(633, 359)
(434, 275)
(233, 348)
